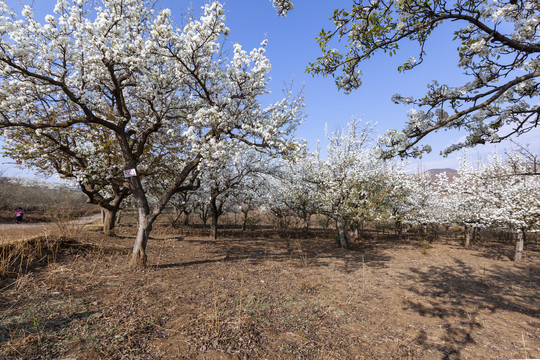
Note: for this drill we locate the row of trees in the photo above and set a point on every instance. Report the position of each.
(354, 185)
(95, 92)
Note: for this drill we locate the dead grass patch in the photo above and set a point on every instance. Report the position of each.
(270, 295)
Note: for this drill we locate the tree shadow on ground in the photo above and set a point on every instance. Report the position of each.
(316, 249)
(458, 293)
(38, 325)
(503, 250)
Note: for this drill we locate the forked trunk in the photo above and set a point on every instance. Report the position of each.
(204, 216)
(147, 216)
(519, 245)
(342, 233)
(109, 207)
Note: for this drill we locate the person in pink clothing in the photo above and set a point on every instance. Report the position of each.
(19, 215)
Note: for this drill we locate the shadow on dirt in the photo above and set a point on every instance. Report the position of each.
(458, 293)
(38, 326)
(313, 248)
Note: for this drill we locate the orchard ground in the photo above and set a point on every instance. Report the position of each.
(267, 294)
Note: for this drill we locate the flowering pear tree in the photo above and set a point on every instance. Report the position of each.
(411, 194)
(69, 154)
(183, 205)
(499, 51)
(523, 160)
(296, 191)
(354, 183)
(223, 178)
(510, 198)
(499, 193)
(461, 199)
(249, 197)
(127, 71)
(274, 202)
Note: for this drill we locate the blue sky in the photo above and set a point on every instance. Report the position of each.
(292, 45)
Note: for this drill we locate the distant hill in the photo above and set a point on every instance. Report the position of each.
(439, 171)
(33, 182)
(450, 173)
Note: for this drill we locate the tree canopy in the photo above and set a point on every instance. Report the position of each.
(498, 43)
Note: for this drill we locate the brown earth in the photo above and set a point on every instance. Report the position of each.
(270, 295)
(69, 225)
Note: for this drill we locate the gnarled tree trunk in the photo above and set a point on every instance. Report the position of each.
(109, 220)
(144, 225)
(109, 207)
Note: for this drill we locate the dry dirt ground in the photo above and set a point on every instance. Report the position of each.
(39, 225)
(269, 295)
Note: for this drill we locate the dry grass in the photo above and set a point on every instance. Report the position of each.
(16, 233)
(18, 258)
(268, 295)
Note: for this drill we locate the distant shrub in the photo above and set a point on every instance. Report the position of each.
(39, 196)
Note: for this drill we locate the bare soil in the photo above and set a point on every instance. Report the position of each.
(69, 225)
(270, 295)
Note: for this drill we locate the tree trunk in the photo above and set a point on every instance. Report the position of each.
(519, 245)
(342, 233)
(139, 257)
(146, 215)
(398, 226)
(476, 234)
(214, 227)
(109, 208)
(144, 223)
(214, 212)
(109, 220)
(468, 235)
(307, 222)
(244, 225)
(353, 233)
(175, 220)
(204, 215)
